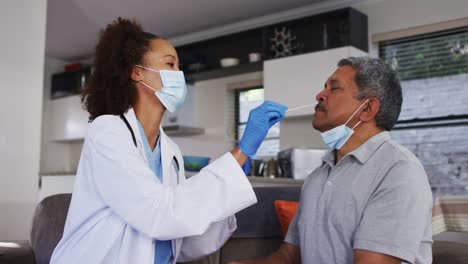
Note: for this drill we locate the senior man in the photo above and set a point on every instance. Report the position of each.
(370, 201)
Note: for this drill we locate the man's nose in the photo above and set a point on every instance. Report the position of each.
(320, 97)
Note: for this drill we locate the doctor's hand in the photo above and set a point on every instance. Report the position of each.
(261, 119)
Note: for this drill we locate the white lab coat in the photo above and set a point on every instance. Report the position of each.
(119, 207)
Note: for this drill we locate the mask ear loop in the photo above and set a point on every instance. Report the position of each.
(349, 119)
(146, 68)
(149, 69)
(358, 123)
(147, 86)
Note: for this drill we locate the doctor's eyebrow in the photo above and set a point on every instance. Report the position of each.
(170, 55)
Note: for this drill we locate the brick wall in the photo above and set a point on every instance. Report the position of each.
(442, 150)
(435, 97)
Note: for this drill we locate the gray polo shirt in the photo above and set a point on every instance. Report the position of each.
(376, 198)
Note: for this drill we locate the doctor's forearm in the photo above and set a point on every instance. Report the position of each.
(239, 156)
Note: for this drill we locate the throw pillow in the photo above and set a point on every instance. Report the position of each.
(285, 211)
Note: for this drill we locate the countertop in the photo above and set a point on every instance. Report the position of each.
(264, 181)
(256, 181)
(57, 173)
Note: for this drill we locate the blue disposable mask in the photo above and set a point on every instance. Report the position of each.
(172, 95)
(336, 137)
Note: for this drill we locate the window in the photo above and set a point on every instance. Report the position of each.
(430, 55)
(433, 68)
(433, 123)
(246, 100)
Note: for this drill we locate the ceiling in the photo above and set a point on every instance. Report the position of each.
(73, 25)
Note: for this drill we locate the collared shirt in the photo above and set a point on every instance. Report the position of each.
(163, 249)
(376, 198)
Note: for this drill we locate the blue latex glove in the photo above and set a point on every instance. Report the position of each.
(261, 119)
(246, 167)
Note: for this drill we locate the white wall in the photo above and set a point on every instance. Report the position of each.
(23, 28)
(392, 15)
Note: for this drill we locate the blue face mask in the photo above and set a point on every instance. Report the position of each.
(172, 95)
(336, 137)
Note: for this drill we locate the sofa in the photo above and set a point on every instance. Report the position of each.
(258, 232)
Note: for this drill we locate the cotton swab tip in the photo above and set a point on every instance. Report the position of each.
(300, 107)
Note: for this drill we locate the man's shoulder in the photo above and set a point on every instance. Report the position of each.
(397, 164)
(403, 167)
(395, 153)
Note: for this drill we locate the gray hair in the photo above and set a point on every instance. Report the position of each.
(375, 78)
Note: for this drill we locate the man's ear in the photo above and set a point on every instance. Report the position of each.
(137, 74)
(370, 110)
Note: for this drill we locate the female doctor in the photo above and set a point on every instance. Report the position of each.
(131, 202)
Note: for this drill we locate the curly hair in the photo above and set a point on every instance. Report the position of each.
(110, 90)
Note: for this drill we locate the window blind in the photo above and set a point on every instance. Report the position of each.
(246, 100)
(428, 55)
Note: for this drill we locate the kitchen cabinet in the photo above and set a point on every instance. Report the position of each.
(338, 28)
(183, 121)
(294, 81)
(69, 120)
(69, 82)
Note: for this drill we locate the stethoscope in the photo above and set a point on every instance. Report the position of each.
(175, 163)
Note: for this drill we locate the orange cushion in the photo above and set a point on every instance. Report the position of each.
(285, 211)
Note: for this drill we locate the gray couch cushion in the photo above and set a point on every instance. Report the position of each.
(445, 252)
(20, 254)
(260, 219)
(48, 223)
(249, 248)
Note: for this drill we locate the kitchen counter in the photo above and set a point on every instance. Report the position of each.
(57, 173)
(257, 181)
